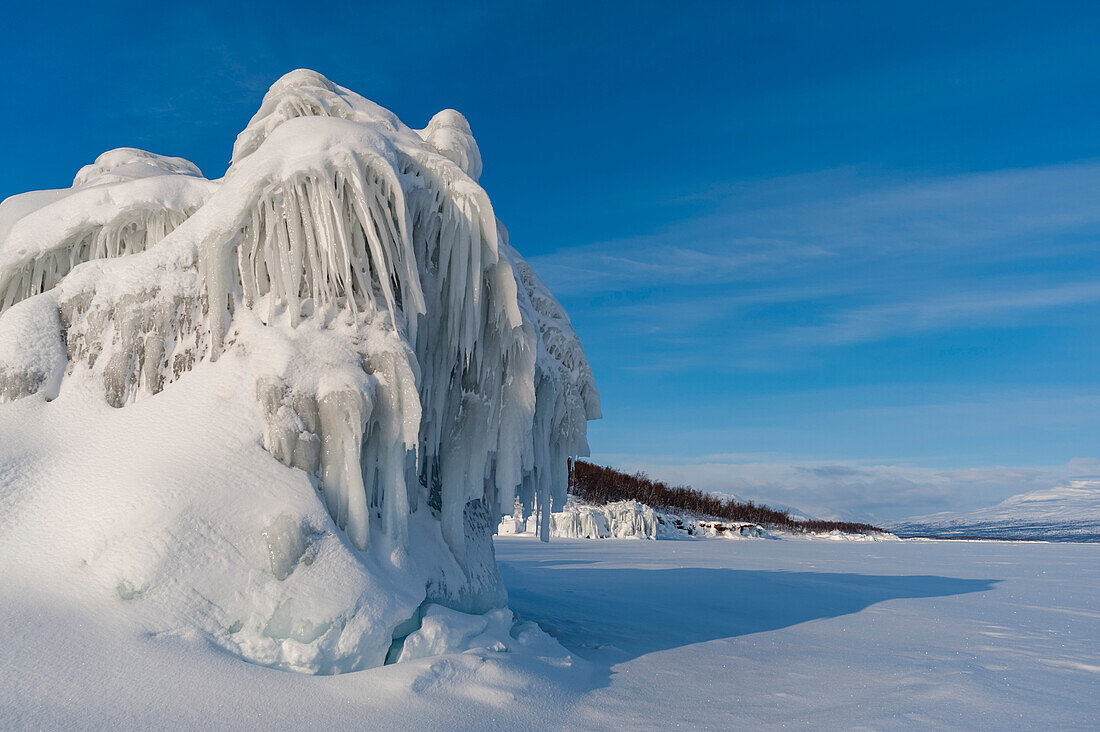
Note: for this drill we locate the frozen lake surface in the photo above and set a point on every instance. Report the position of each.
(729, 633)
(698, 634)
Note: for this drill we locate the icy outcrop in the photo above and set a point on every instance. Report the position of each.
(397, 351)
(450, 134)
(123, 203)
(577, 520)
(628, 519)
(582, 522)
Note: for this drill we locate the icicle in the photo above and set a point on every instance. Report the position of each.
(343, 415)
(126, 233)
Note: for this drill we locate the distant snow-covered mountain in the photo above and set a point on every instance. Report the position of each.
(1068, 512)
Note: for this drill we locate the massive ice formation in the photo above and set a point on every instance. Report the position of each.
(400, 352)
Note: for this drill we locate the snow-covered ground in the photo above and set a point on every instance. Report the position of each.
(701, 634)
(768, 633)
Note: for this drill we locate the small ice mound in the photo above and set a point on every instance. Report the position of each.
(444, 631)
(32, 357)
(450, 134)
(286, 545)
(510, 525)
(129, 163)
(125, 202)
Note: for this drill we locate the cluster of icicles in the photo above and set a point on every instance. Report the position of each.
(456, 376)
(128, 234)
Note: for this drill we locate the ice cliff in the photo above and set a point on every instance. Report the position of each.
(345, 297)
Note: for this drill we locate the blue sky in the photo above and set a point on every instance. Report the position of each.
(842, 256)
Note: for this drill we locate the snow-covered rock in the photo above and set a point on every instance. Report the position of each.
(684, 525)
(330, 368)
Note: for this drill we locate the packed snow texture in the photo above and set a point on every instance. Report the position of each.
(662, 634)
(818, 634)
(345, 297)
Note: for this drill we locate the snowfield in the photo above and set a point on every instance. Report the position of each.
(723, 635)
(696, 634)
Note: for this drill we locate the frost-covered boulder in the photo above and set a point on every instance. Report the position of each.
(682, 525)
(729, 529)
(344, 301)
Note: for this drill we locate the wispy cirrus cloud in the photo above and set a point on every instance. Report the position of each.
(941, 321)
(762, 229)
(953, 310)
(837, 258)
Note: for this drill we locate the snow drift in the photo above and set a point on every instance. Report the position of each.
(345, 297)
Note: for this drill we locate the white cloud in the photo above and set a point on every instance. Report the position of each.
(781, 268)
(761, 229)
(947, 312)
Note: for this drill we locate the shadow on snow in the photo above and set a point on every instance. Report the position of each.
(622, 613)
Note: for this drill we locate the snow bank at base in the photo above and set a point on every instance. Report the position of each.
(443, 631)
(364, 353)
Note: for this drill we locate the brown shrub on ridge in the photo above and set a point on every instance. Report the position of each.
(599, 484)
